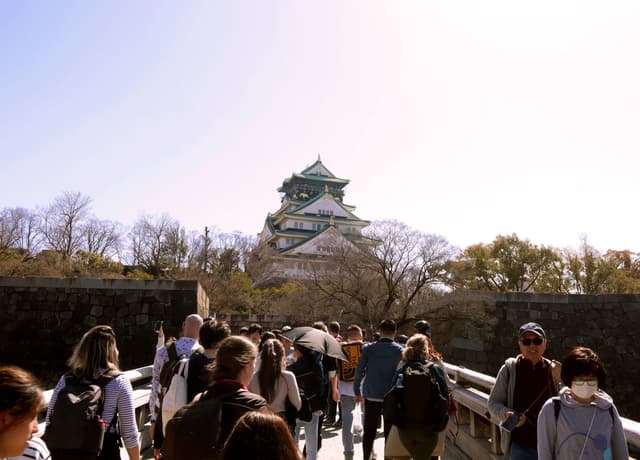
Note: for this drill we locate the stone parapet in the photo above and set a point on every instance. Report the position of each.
(41, 319)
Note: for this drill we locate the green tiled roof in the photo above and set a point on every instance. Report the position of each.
(315, 235)
(325, 217)
(316, 198)
(315, 177)
(318, 162)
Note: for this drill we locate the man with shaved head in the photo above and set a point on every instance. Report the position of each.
(184, 346)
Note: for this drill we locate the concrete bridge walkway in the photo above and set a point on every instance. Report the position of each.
(332, 447)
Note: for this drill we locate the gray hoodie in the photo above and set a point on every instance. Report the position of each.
(564, 438)
(501, 399)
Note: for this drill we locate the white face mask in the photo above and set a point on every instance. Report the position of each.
(584, 389)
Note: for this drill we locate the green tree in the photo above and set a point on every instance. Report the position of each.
(587, 270)
(508, 264)
(625, 276)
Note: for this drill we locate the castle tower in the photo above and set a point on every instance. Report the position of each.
(312, 218)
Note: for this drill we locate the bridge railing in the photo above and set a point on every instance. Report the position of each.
(478, 432)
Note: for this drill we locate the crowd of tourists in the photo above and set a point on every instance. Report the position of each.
(215, 395)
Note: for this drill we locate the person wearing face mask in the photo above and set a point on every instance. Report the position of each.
(522, 386)
(582, 422)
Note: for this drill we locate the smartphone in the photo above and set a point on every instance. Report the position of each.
(157, 325)
(510, 423)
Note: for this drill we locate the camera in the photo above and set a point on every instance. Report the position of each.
(157, 325)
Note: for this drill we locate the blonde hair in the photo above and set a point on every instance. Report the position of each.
(417, 347)
(96, 350)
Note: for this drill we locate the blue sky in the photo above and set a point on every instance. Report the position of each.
(464, 118)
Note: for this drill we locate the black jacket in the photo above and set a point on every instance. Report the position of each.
(235, 404)
(309, 377)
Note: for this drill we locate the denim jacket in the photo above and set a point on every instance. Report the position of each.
(378, 362)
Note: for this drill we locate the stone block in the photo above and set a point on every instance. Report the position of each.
(90, 321)
(66, 314)
(142, 319)
(96, 310)
(132, 298)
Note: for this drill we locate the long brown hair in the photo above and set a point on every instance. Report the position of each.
(260, 436)
(96, 350)
(271, 366)
(233, 355)
(20, 393)
(434, 355)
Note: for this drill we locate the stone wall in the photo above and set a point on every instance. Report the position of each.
(41, 319)
(479, 331)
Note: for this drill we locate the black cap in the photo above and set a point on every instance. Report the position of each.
(422, 326)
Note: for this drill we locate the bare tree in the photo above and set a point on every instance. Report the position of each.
(157, 243)
(61, 223)
(102, 237)
(19, 229)
(408, 261)
(234, 245)
(387, 279)
(175, 247)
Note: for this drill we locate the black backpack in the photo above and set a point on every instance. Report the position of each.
(194, 431)
(419, 398)
(168, 368)
(76, 429)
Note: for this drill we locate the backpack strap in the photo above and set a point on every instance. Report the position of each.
(557, 405)
(172, 351)
(102, 381)
(107, 377)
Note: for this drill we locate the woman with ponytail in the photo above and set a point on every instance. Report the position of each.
(417, 438)
(272, 381)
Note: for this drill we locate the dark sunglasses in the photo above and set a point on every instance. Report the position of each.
(536, 341)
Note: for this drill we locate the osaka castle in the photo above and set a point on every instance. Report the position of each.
(312, 220)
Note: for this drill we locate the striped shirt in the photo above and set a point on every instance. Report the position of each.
(118, 394)
(36, 450)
